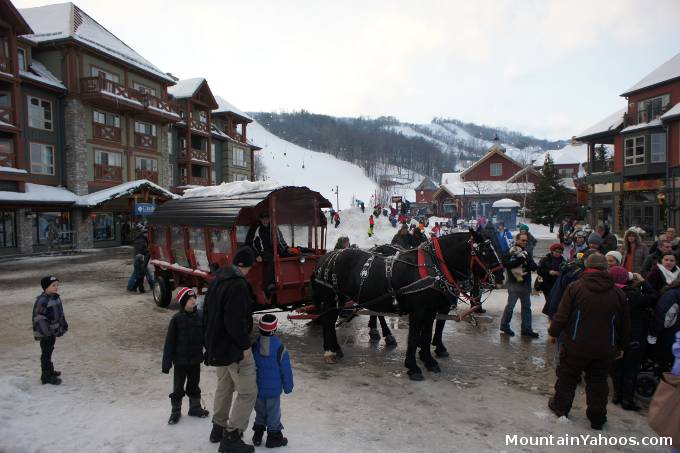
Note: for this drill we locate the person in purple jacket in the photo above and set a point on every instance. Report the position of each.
(274, 374)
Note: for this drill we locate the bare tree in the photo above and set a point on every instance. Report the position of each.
(260, 167)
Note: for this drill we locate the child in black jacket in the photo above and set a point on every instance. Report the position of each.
(184, 349)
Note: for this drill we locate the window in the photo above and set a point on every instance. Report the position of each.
(42, 159)
(634, 151)
(566, 172)
(197, 142)
(5, 99)
(103, 227)
(202, 116)
(197, 242)
(145, 128)
(21, 58)
(39, 113)
(171, 175)
(213, 175)
(8, 237)
(221, 241)
(496, 169)
(658, 149)
(105, 118)
(51, 226)
(650, 109)
(144, 89)
(212, 151)
(238, 177)
(182, 114)
(112, 159)
(97, 72)
(182, 143)
(6, 149)
(199, 171)
(169, 142)
(238, 157)
(144, 163)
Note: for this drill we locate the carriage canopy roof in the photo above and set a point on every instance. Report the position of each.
(222, 208)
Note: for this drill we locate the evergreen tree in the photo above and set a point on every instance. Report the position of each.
(549, 200)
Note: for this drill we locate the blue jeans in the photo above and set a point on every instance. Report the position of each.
(133, 279)
(268, 413)
(525, 299)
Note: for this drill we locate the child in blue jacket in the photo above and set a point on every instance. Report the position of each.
(274, 374)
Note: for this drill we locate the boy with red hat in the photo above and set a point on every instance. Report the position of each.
(184, 349)
(274, 374)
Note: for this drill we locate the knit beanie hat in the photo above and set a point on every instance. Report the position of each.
(47, 281)
(597, 261)
(620, 275)
(184, 294)
(268, 323)
(595, 238)
(556, 246)
(244, 257)
(523, 226)
(617, 256)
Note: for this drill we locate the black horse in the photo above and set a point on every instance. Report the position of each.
(419, 282)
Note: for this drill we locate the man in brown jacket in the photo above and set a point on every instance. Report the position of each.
(595, 324)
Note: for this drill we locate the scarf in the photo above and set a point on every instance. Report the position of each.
(669, 276)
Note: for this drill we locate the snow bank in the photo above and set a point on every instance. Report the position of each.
(229, 189)
(505, 203)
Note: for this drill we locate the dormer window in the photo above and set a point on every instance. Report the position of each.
(650, 109)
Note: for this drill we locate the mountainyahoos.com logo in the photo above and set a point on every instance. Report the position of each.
(586, 440)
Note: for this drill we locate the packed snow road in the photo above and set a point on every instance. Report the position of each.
(114, 397)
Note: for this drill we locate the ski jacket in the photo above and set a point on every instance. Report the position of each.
(504, 240)
(184, 340)
(593, 317)
(48, 317)
(228, 317)
(545, 265)
(274, 372)
(259, 238)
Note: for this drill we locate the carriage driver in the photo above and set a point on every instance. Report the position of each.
(259, 238)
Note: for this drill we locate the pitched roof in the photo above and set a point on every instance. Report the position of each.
(494, 150)
(668, 71)
(608, 124)
(672, 113)
(64, 21)
(225, 106)
(186, 88)
(39, 73)
(453, 184)
(427, 184)
(10, 14)
(573, 153)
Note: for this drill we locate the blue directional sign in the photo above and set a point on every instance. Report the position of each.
(143, 209)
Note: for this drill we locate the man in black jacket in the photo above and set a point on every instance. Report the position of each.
(228, 322)
(259, 238)
(596, 324)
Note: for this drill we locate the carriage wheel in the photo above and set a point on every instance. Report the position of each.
(645, 385)
(162, 292)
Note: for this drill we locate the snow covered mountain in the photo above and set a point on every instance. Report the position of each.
(290, 164)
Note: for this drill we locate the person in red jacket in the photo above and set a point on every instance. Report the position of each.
(371, 223)
(593, 320)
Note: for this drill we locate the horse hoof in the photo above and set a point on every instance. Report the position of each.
(374, 335)
(416, 376)
(434, 369)
(441, 353)
(339, 354)
(390, 340)
(329, 358)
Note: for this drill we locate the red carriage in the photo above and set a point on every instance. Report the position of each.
(193, 236)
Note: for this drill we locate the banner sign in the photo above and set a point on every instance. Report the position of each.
(143, 209)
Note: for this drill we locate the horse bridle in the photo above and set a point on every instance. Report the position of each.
(489, 278)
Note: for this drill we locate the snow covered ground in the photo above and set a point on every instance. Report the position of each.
(114, 397)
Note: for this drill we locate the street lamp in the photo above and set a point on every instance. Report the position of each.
(337, 197)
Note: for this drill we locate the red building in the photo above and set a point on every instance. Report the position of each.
(425, 191)
(640, 184)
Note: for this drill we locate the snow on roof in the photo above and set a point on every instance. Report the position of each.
(454, 185)
(229, 189)
(427, 184)
(67, 21)
(12, 170)
(668, 71)
(185, 88)
(120, 190)
(225, 106)
(654, 123)
(40, 193)
(40, 73)
(672, 113)
(506, 203)
(610, 123)
(573, 153)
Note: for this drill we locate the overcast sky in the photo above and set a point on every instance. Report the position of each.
(548, 68)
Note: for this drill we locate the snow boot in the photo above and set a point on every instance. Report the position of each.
(195, 409)
(217, 433)
(374, 335)
(50, 379)
(259, 432)
(232, 443)
(275, 439)
(176, 411)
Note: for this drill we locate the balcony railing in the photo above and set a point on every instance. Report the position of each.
(158, 105)
(196, 154)
(195, 181)
(198, 126)
(146, 174)
(108, 172)
(145, 141)
(6, 115)
(600, 166)
(5, 64)
(105, 132)
(6, 160)
(100, 86)
(644, 116)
